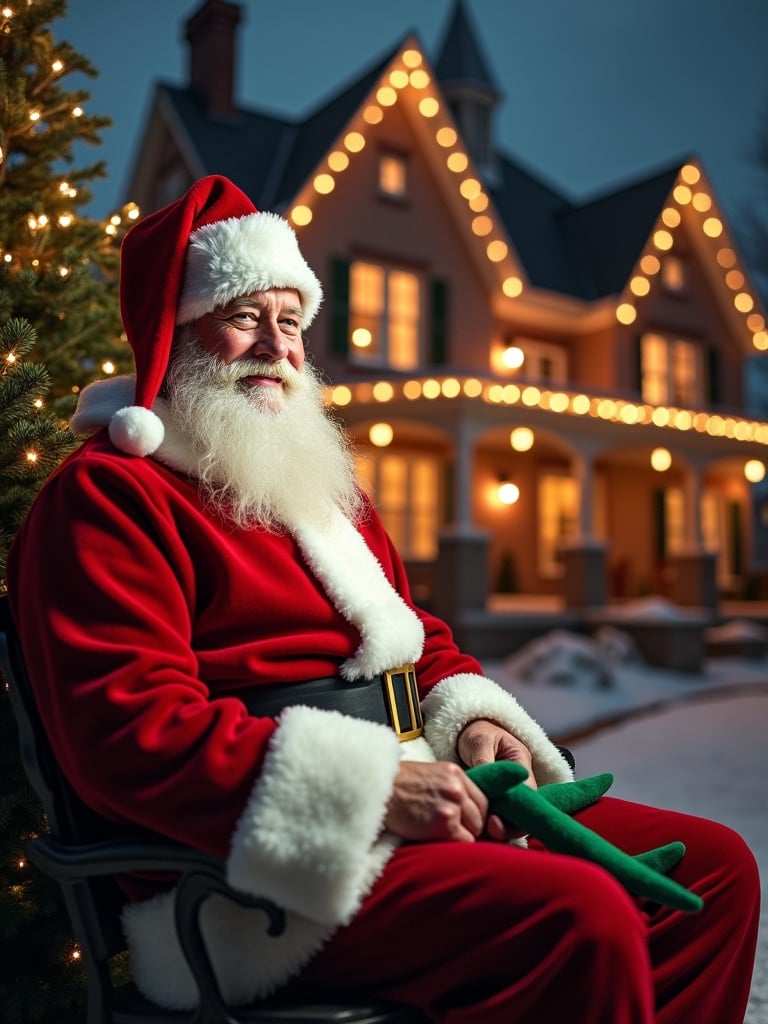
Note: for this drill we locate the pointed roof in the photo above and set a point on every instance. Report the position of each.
(460, 59)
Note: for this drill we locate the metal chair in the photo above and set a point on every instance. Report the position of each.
(82, 854)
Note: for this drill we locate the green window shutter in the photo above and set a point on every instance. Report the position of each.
(713, 376)
(660, 522)
(340, 307)
(736, 538)
(438, 324)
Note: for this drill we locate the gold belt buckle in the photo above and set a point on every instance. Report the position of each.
(402, 699)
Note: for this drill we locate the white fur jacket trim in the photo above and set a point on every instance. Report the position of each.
(325, 776)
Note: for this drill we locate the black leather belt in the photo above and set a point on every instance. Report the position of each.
(391, 698)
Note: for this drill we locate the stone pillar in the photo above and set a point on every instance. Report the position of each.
(585, 578)
(693, 579)
(462, 573)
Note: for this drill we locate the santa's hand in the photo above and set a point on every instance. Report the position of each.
(483, 742)
(435, 802)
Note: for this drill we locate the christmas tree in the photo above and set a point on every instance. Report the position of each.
(59, 329)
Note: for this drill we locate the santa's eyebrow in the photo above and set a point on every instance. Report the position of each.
(237, 303)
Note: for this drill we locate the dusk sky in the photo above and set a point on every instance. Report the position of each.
(596, 92)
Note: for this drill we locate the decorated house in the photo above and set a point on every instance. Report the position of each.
(546, 398)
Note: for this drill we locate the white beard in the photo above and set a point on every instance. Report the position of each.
(268, 457)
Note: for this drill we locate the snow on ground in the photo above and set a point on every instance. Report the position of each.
(695, 743)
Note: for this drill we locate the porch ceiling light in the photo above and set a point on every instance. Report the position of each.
(521, 439)
(381, 435)
(661, 459)
(754, 471)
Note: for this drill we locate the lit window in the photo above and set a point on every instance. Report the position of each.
(392, 175)
(558, 496)
(384, 316)
(670, 372)
(673, 273)
(406, 491)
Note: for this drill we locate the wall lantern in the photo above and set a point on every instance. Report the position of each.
(508, 493)
(513, 357)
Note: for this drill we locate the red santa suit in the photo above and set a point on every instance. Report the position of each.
(145, 608)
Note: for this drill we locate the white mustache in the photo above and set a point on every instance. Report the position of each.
(231, 373)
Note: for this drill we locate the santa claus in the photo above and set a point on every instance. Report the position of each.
(224, 650)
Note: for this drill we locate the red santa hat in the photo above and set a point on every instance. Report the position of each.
(199, 252)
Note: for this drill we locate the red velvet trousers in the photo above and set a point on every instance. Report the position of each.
(487, 933)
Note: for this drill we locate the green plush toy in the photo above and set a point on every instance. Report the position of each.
(544, 813)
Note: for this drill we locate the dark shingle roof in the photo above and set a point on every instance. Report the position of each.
(460, 59)
(586, 250)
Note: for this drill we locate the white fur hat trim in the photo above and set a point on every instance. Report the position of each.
(230, 258)
(136, 430)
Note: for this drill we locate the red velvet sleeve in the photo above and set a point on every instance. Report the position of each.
(103, 594)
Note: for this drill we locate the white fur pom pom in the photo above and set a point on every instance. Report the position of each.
(136, 430)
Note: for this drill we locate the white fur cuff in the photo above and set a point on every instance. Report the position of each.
(308, 836)
(461, 699)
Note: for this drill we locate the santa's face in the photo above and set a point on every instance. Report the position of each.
(265, 326)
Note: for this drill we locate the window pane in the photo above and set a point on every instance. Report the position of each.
(392, 174)
(556, 520)
(366, 304)
(403, 320)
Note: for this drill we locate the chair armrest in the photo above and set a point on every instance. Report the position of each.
(201, 876)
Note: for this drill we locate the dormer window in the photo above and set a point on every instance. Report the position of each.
(393, 180)
(673, 275)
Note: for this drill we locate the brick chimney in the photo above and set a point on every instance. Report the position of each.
(211, 33)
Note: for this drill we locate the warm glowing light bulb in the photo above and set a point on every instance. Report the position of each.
(386, 96)
(381, 435)
(324, 184)
(712, 227)
(301, 215)
(108, 366)
(77, 112)
(497, 251)
(522, 439)
(512, 286)
(626, 313)
(650, 264)
(482, 225)
(639, 285)
(446, 137)
(457, 162)
(57, 66)
(513, 357)
(508, 493)
(361, 337)
(31, 456)
(412, 58)
(372, 114)
(429, 107)
(354, 142)
(341, 395)
(754, 471)
(383, 391)
(661, 459)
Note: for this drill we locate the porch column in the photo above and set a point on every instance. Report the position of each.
(693, 570)
(462, 570)
(584, 557)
